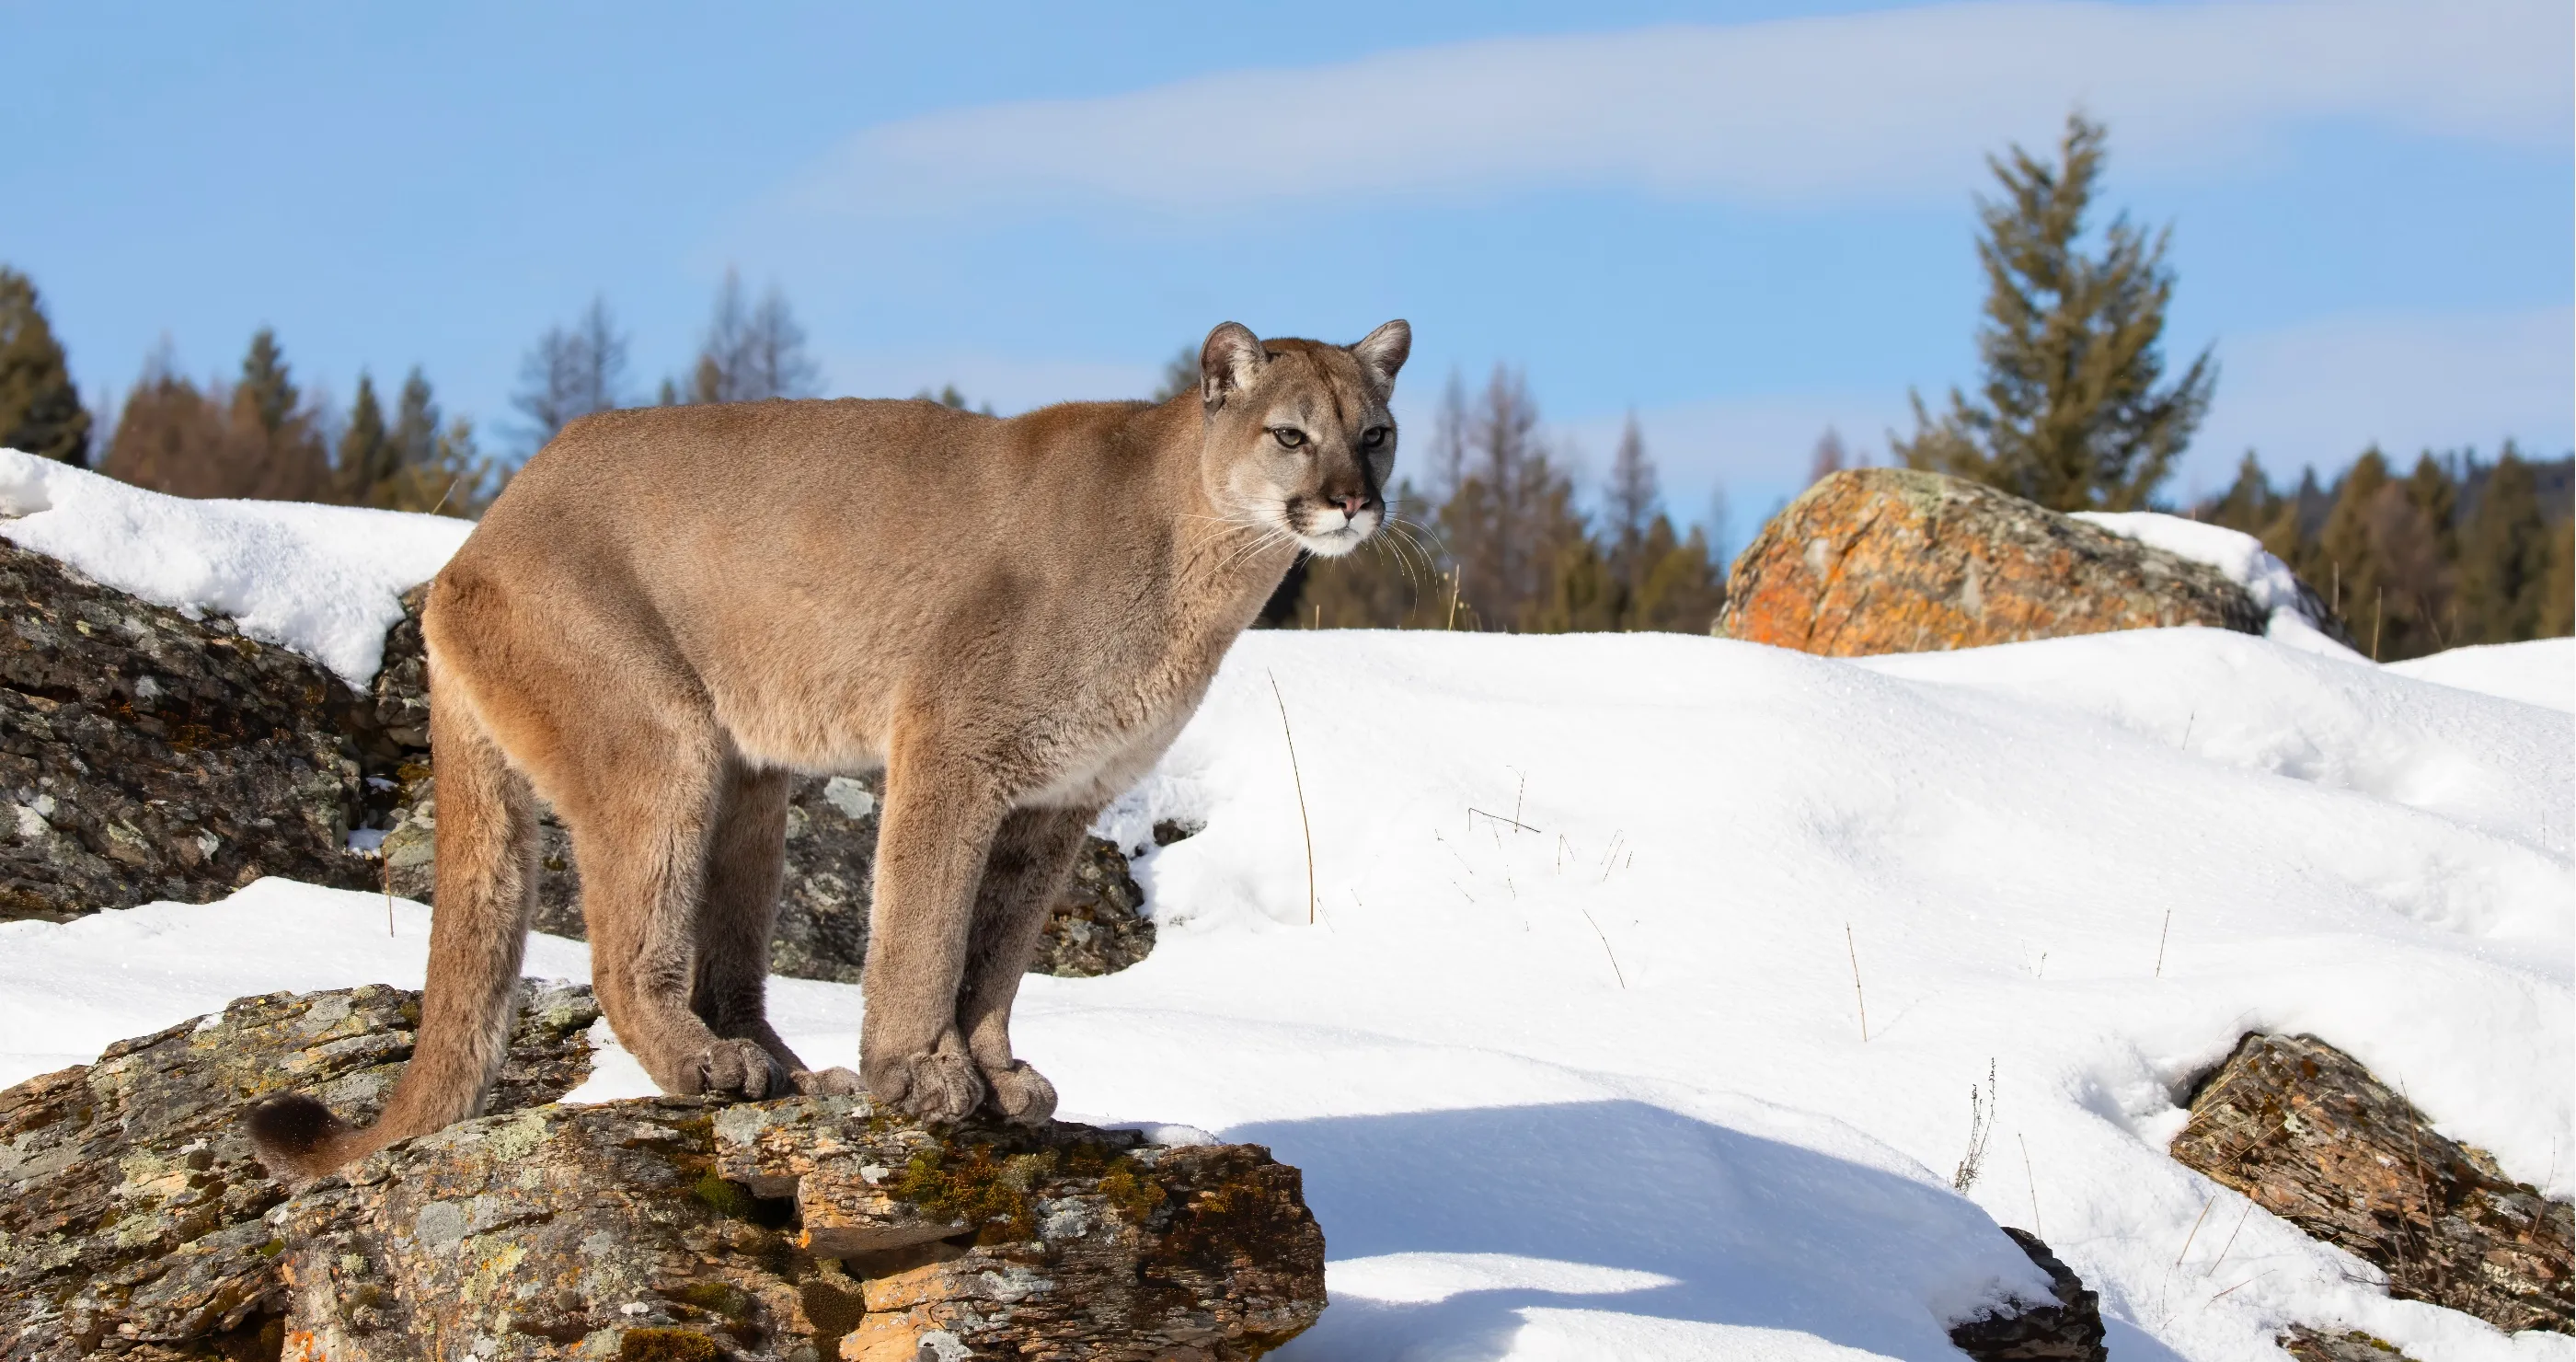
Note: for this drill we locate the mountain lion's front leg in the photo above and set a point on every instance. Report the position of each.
(1023, 876)
(940, 816)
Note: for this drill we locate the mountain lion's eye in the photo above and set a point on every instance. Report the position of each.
(1372, 437)
(1289, 437)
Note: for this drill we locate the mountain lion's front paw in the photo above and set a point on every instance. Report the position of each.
(738, 1069)
(826, 1082)
(1022, 1094)
(942, 1086)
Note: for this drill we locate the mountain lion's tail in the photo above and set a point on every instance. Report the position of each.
(486, 868)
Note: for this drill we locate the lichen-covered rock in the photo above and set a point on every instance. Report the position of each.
(1099, 925)
(130, 1203)
(809, 1228)
(2338, 1345)
(146, 755)
(2303, 1130)
(1893, 560)
(2069, 1329)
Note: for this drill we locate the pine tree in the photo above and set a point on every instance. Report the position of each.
(2352, 580)
(429, 464)
(170, 434)
(2504, 557)
(2249, 503)
(2070, 413)
(2557, 615)
(255, 439)
(2285, 536)
(40, 410)
(1682, 586)
(367, 457)
(267, 390)
(1584, 596)
(1629, 505)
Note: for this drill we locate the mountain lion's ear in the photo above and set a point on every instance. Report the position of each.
(1382, 352)
(1228, 362)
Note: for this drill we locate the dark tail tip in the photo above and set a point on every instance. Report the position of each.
(296, 1136)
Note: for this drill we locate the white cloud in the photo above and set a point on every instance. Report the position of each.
(2321, 391)
(1869, 107)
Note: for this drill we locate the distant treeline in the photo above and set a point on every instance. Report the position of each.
(2455, 551)
(1494, 539)
(261, 434)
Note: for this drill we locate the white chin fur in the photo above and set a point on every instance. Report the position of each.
(1334, 544)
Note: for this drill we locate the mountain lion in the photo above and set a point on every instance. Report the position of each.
(673, 609)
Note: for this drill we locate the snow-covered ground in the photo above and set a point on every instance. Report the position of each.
(1571, 1052)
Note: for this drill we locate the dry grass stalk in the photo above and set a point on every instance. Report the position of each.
(1299, 777)
(2195, 1230)
(2032, 1181)
(1854, 949)
(1981, 1128)
(1615, 971)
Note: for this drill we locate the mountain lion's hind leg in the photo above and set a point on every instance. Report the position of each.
(746, 853)
(641, 831)
(1026, 871)
(940, 815)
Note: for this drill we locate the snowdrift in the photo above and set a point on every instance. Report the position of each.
(1571, 1050)
(326, 581)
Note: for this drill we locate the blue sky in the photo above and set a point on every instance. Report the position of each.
(1744, 222)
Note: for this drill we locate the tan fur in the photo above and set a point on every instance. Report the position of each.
(670, 609)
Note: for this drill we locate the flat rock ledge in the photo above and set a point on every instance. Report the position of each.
(132, 1211)
(138, 1226)
(2067, 1328)
(2305, 1132)
(1893, 560)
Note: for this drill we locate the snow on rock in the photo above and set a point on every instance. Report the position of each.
(326, 581)
(2294, 609)
(1571, 1055)
(2541, 672)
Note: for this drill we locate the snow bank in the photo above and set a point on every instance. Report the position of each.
(325, 581)
(1571, 1055)
(2274, 587)
(2541, 672)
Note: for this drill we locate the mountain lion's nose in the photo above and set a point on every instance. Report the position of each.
(1351, 506)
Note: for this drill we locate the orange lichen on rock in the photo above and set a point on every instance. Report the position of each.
(1891, 560)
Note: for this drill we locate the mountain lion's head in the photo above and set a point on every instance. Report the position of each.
(1298, 437)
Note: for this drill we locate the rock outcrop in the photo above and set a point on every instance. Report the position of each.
(2306, 1132)
(2338, 1345)
(804, 1228)
(137, 1226)
(131, 1207)
(1892, 560)
(2069, 1329)
(148, 755)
